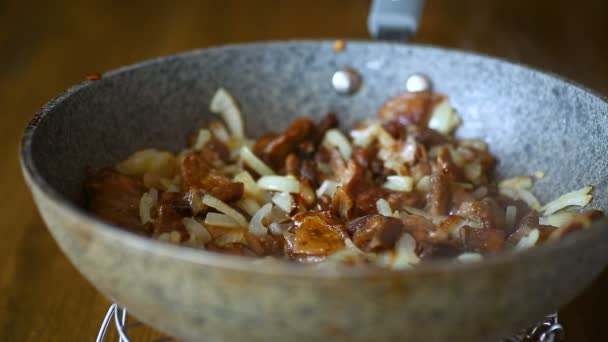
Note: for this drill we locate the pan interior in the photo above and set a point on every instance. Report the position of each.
(532, 121)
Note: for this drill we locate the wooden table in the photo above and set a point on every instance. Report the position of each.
(47, 47)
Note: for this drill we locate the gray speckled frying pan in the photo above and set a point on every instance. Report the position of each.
(532, 121)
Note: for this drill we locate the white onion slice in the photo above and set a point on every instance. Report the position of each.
(384, 208)
(146, 203)
(231, 237)
(510, 216)
(579, 197)
(222, 103)
(558, 219)
(335, 138)
(249, 205)
(283, 200)
(522, 182)
(224, 208)
(279, 183)
(219, 131)
(399, 183)
(254, 162)
(251, 188)
(255, 226)
(328, 187)
(444, 118)
(470, 257)
(202, 139)
(221, 220)
(405, 253)
(196, 230)
(528, 240)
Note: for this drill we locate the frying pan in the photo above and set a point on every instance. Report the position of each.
(532, 121)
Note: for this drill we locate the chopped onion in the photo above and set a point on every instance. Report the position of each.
(558, 219)
(249, 205)
(203, 137)
(146, 203)
(528, 241)
(335, 138)
(405, 249)
(579, 198)
(418, 212)
(224, 208)
(222, 103)
(221, 220)
(196, 230)
(255, 226)
(444, 118)
(149, 161)
(510, 216)
(283, 200)
(255, 163)
(519, 183)
(219, 131)
(539, 175)
(364, 137)
(399, 183)
(384, 208)
(328, 188)
(470, 257)
(474, 143)
(251, 188)
(456, 156)
(231, 237)
(473, 171)
(529, 198)
(279, 183)
(424, 184)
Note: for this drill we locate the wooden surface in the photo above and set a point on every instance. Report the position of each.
(47, 47)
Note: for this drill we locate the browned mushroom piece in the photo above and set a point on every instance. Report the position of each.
(275, 150)
(486, 212)
(342, 205)
(408, 108)
(168, 220)
(375, 232)
(482, 240)
(315, 235)
(115, 198)
(438, 197)
(447, 166)
(198, 175)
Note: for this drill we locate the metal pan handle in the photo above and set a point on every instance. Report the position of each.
(394, 19)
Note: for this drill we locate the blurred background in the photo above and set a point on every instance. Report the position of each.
(47, 46)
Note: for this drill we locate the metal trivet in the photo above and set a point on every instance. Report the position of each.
(549, 330)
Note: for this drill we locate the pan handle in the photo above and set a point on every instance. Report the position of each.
(394, 19)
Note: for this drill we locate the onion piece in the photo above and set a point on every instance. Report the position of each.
(444, 118)
(249, 205)
(579, 198)
(231, 237)
(384, 208)
(519, 183)
(149, 161)
(470, 257)
(335, 138)
(222, 103)
(255, 226)
(528, 241)
(284, 201)
(405, 255)
(557, 219)
(399, 183)
(255, 163)
(278, 229)
(146, 203)
(224, 208)
(221, 220)
(202, 139)
(365, 136)
(424, 184)
(251, 188)
(279, 183)
(196, 230)
(219, 131)
(328, 187)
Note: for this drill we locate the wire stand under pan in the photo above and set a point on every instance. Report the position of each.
(549, 330)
